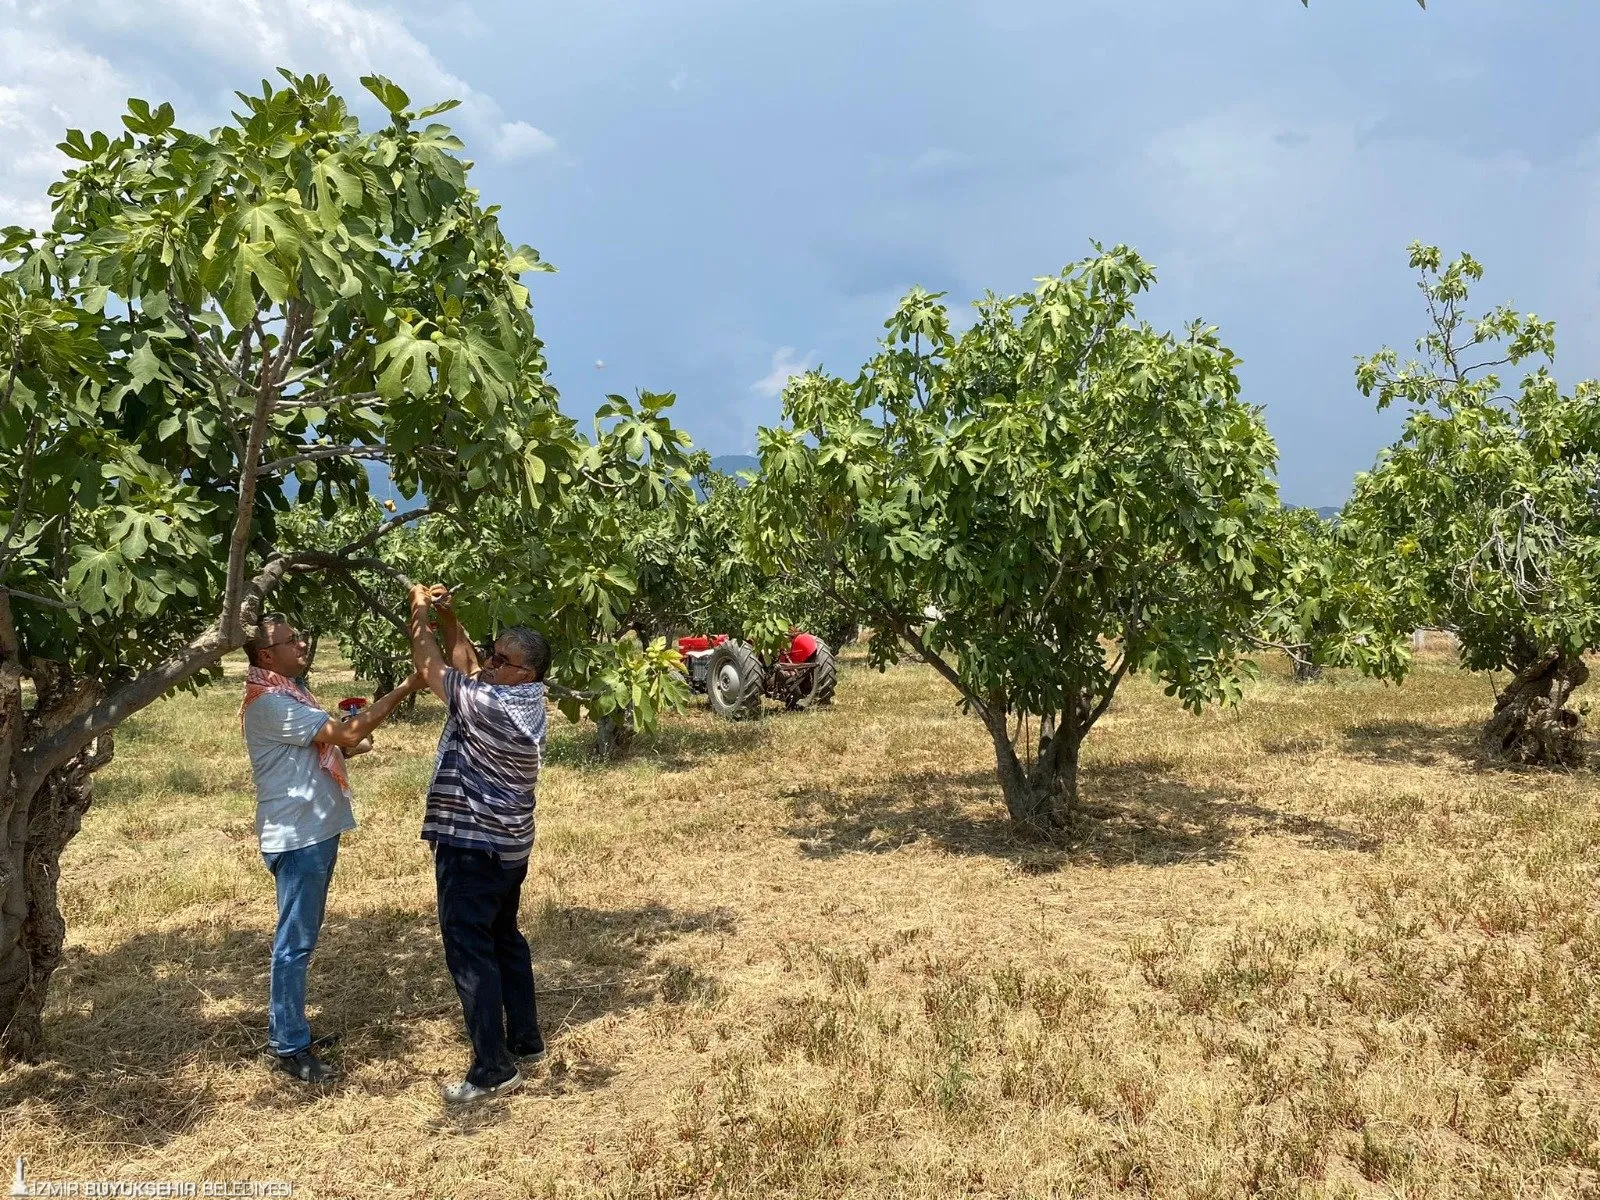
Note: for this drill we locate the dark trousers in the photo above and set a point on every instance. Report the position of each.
(488, 958)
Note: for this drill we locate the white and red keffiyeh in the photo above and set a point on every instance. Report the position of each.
(258, 682)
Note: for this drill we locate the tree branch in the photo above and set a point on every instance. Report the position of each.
(331, 367)
(388, 527)
(351, 450)
(45, 600)
(907, 634)
(1099, 710)
(72, 738)
(202, 348)
(242, 359)
(327, 560)
(239, 540)
(316, 399)
(372, 602)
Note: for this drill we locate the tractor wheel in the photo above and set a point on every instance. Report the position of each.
(735, 680)
(818, 687)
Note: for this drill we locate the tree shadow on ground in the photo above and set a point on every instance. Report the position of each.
(1133, 813)
(679, 746)
(142, 1037)
(1413, 743)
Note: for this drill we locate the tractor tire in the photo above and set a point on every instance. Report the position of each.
(824, 676)
(735, 680)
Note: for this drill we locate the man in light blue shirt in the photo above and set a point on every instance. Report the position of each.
(297, 754)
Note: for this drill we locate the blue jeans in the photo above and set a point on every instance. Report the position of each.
(302, 877)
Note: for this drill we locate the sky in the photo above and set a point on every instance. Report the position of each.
(736, 190)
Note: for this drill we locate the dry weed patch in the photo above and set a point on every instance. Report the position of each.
(1309, 948)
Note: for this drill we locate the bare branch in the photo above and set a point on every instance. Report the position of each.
(563, 693)
(326, 560)
(239, 540)
(294, 329)
(911, 637)
(204, 349)
(330, 369)
(372, 602)
(380, 453)
(241, 363)
(1295, 651)
(388, 527)
(45, 600)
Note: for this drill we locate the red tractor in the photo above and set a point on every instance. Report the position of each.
(734, 677)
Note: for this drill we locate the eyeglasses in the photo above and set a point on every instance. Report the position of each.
(297, 640)
(496, 659)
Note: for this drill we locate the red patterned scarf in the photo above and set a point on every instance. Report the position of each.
(258, 682)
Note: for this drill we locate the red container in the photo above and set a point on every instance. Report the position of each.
(351, 705)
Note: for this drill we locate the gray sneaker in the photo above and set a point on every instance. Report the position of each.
(471, 1093)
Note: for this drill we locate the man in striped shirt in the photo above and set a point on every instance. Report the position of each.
(479, 817)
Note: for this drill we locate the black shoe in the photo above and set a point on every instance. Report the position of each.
(526, 1057)
(305, 1066)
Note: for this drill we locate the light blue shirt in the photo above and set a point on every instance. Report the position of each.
(298, 804)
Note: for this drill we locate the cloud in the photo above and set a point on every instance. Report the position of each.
(49, 87)
(785, 366)
(679, 81)
(518, 140)
(55, 61)
(1234, 188)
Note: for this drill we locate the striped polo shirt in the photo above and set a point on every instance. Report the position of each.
(487, 771)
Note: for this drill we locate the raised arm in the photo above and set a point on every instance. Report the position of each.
(459, 651)
(425, 655)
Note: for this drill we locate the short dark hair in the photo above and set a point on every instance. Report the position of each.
(531, 645)
(257, 641)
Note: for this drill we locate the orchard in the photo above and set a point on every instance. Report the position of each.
(218, 333)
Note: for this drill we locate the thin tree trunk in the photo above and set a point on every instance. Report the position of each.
(1306, 671)
(1021, 804)
(614, 733)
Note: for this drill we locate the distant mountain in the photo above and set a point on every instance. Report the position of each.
(1326, 511)
(732, 464)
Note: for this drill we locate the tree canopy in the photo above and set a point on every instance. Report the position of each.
(215, 328)
(1075, 494)
(1484, 517)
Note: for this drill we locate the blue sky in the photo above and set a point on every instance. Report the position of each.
(733, 190)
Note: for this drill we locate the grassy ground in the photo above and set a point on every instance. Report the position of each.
(1310, 947)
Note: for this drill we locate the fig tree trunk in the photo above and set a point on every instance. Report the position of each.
(1306, 671)
(32, 930)
(1040, 795)
(34, 830)
(1531, 721)
(614, 733)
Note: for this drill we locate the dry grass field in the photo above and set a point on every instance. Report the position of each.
(1311, 947)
